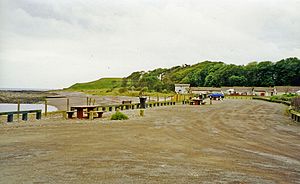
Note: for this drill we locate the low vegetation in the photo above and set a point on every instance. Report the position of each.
(118, 116)
(284, 97)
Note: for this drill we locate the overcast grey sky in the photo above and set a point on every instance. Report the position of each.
(53, 44)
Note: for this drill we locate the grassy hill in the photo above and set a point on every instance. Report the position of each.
(109, 86)
(103, 83)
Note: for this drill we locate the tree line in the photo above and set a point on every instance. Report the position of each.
(285, 72)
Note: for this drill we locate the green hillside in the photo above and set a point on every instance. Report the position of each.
(103, 83)
(285, 72)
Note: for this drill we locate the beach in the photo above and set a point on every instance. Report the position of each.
(59, 98)
(231, 141)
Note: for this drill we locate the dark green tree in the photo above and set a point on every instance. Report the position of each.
(287, 72)
(237, 80)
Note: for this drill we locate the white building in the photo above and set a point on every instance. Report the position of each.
(237, 90)
(182, 88)
(280, 90)
(263, 91)
(205, 90)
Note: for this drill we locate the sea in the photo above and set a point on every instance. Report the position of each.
(6, 107)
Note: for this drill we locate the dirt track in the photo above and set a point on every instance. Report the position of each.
(234, 141)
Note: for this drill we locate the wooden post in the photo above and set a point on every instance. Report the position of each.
(149, 98)
(157, 98)
(64, 115)
(94, 101)
(68, 104)
(18, 110)
(87, 100)
(90, 101)
(46, 108)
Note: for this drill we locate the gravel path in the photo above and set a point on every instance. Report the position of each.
(233, 141)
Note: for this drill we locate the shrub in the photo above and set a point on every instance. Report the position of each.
(143, 90)
(109, 90)
(118, 116)
(123, 90)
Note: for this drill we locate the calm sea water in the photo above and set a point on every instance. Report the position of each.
(6, 107)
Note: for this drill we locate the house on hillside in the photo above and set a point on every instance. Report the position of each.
(280, 90)
(263, 91)
(182, 88)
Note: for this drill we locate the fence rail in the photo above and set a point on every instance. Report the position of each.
(121, 107)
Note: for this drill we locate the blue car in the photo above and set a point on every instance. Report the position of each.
(216, 95)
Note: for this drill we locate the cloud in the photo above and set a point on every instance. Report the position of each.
(57, 43)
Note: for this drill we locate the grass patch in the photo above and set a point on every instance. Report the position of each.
(103, 83)
(284, 97)
(270, 100)
(120, 92)
(118, 116)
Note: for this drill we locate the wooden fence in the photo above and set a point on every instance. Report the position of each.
(110, 108)
(295, 115)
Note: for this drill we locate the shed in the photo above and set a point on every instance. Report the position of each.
(263, 91)
(182, 88)
(205, 90)
(280, 90)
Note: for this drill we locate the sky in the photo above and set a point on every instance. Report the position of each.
(54, 44)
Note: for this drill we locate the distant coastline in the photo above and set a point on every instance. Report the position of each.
(26, 89)
(24, 95)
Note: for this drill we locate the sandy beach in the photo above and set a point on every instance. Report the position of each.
(79, 98)
(232, 141)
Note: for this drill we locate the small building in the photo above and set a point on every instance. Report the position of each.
(244, 90)
(280, 90)
(182, 88)
(228, 90)
(263, 91)
(237, 90)
(205, 90)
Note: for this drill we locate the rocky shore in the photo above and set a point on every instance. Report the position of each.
(24, 96)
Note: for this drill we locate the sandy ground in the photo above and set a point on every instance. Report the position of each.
(234, 141)
(79, 98)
